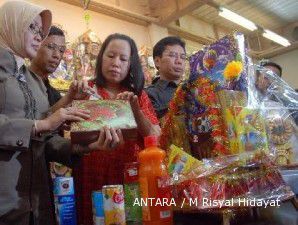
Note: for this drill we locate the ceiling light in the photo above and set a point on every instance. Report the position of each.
(276, 38)
(235, 18)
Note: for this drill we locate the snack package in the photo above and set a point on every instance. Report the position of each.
(179, 161)
(250, 130)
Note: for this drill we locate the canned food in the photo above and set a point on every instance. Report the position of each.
(113, 202)
(97, 208)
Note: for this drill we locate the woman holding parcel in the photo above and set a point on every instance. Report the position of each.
(118, 76)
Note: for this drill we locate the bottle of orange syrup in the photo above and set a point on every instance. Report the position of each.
(154, 182)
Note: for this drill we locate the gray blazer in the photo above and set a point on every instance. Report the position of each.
(24, 186)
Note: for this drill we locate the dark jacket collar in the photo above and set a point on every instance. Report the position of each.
(163, 83)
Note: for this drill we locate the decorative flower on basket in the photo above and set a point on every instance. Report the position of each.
(232, 72)
(219, 66)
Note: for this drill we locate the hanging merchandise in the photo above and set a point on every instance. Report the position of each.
(147, 64)
(79, 59)
(85, 50)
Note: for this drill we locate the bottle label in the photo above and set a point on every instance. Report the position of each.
(145, 195)
(165, 214)
(164, 194)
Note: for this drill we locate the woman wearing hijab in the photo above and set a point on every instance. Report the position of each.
(26, 142)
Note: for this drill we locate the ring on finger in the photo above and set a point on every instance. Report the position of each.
(68, 109)
(113, 145)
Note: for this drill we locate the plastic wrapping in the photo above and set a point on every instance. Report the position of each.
(235, 181)
(217, 71)
(278, 104)
(240, 121)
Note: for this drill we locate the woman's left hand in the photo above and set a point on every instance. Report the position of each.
(78, 90)
(145, 127)
(109, 139)
(132, 98)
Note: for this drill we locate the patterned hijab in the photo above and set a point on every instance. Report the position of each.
(15, 19)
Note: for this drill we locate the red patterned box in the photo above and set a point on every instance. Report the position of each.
(112, 113)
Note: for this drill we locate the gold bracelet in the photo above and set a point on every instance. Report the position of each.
(35, 128)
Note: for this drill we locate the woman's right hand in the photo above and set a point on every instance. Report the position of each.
(59, 117)
(108, 139)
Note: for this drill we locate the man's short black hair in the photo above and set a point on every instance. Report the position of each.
(161, 45)
(56, 31)
(273, 64)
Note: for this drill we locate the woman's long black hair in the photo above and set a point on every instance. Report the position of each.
(134, 81)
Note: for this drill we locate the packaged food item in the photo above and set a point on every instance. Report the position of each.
(64, 200)
(113, 202)
(133, 211)
(97, 208)
(179, 161)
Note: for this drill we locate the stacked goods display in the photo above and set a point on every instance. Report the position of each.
(147, 64)
(222, 124)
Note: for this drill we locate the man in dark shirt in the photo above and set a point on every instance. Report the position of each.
(48, 59)
(169, 59)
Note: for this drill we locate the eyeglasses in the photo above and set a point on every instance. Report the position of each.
(36, 30)
(176, 56)
(55, 47)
